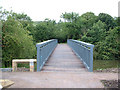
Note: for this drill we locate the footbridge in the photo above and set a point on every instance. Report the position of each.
(75, 56)
(61, 66)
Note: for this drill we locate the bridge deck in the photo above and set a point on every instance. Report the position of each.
(64, 60)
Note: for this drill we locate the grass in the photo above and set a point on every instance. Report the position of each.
(97, 64)
(26, 65)
(103, 64)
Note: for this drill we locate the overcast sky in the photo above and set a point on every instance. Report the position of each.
(38, 10)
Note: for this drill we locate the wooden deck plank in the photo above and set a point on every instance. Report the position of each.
(63, 59)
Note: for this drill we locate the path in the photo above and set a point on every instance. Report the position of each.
(62, 70)
(64, 60)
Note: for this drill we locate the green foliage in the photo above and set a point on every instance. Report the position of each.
(61, 32)
(44, 30)
(108, 49)
(117, 21)
(109, 20)
(16, 43)
(96, 33)
(88, 19)
(70, 17)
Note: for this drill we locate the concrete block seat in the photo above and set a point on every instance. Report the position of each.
(5, 83)
(30, 61)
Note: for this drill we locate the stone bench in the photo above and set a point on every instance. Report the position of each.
(30, 61)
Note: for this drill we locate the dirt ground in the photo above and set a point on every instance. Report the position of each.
(58, 79)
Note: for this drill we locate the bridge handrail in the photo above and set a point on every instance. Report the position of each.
(44, 50)
(84, 51)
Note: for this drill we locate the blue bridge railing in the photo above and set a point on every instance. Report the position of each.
(84, 51)
(44, 50)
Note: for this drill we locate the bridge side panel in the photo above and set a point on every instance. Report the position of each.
(84, 51)
(44, 50)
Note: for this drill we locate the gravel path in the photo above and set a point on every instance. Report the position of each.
(58, 79)
(109, 83)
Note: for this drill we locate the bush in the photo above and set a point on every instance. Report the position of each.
(108, 49)
(16, 43)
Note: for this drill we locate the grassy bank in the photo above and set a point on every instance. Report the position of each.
(103, 64)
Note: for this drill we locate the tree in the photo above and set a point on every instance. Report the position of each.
(117, 20)
(44, 30)
(61, 32)
(16, 42)
(108, 20)
(96, 33)
(70, 17)
(108, 49)
(25, 20)
(88, 19)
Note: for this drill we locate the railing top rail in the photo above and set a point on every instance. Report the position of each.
(83, 43)
(44, 43)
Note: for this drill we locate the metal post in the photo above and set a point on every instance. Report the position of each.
(91, 58)
(38, 58)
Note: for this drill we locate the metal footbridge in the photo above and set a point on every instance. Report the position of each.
(75, 56)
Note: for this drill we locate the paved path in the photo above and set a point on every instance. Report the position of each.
(62, 70)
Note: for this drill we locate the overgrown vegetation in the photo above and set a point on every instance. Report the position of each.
(16, 39)
(20, 33)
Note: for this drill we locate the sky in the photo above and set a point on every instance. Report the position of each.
(38, 10)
